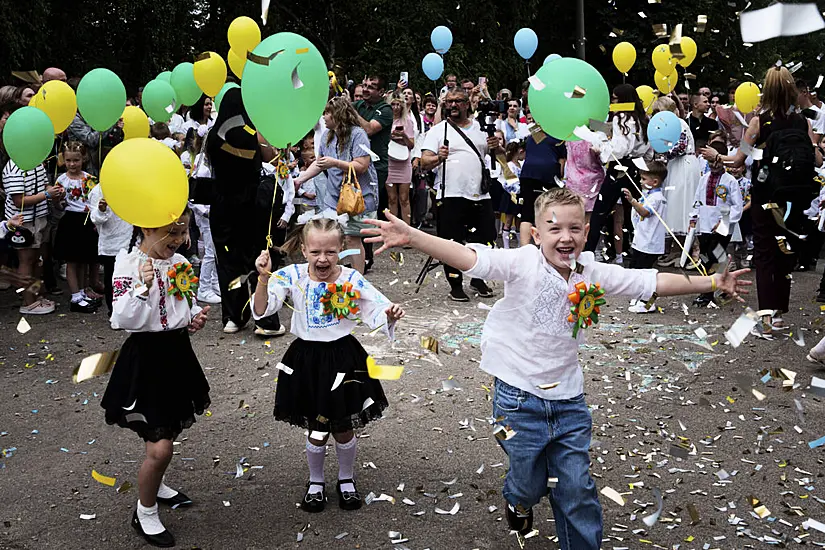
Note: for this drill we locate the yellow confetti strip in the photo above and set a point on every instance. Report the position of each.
(383, 372)
(105, 480)
(616, 107)
(302, 50)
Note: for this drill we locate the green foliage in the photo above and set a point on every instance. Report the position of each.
(140, 38)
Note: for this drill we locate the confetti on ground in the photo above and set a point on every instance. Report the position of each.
(105, 480)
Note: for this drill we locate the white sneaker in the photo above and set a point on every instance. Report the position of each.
(209, 297)
(270, 332)
(639, 307)
(814, 358)
(619, 260)
(231, 328)
(38, 308)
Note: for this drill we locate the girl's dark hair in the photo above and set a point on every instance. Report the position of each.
(137, 232)
(192, 143)
(625, 93)
(512, 149)
(160, 130)
(196, 110)
(300, 233)
(416, 113)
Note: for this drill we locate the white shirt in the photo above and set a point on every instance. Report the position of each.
(289, 190)
(649, 233)
(527, 339)
(28, 183)
(113, 233)
(463, 169)
(202, 166)
(176, 124)
(75, 192)
(308, 319)
(728, 203)
(522, 132)
(621, 145)
(138, 310)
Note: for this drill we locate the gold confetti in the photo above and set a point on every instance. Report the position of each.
(383, 372)
(616, 107)
(429, 343)
(660, 30)
(105, 480)
(701, 23)
(95, 365)
(758, 508)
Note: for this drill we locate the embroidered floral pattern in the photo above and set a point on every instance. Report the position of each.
(120, 286)
(164, 315)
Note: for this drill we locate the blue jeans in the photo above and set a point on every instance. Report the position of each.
(552, 440)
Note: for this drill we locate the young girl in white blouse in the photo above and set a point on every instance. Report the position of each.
(114, 235)
(323, 385)
(530, 345)
(157, 385)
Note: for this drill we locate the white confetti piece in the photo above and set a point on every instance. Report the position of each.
(339, 377)
(23, 326)
(613, 495)
(88, 516)
(453, 511)
(284, 368)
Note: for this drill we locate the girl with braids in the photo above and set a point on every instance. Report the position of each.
(157, 385)
(324, 385)
(629, 141)
(342, 144)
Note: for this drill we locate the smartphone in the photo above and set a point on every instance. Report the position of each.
(405, 77)
(482, 80)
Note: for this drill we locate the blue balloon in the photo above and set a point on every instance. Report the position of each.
(432, 65)
(526, 42)
(664, 131)
(442, 39)
(551, 57)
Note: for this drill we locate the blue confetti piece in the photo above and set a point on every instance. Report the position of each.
(266, 444)
(347, 253)
(35, 432)
(34, 411)
(51, 381)
(64, 449)
(90, 442)
(817, 442)
(85, 401)
(766, 378)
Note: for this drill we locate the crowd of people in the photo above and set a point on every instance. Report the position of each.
(463, 166)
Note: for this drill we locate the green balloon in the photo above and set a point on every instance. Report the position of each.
(159, 100)
(28, 137)
(166, 76)
(218, 98)
(101, 98)
(183, 81)
(286, 97)
(555, 107)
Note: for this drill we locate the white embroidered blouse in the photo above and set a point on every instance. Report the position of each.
(137, 310)
(309, 322)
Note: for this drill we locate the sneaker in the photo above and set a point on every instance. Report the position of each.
(702, 300)
(521, 523)
(269, 332)
(813, 358)
(54, 290)
(195, 261)
(209, 297)
(777, 323)
(231, 328)
(63, 271)
(670, 261)
(40, 307)
(82, 307)
(481, 287)
(640, 307)
(458, 295)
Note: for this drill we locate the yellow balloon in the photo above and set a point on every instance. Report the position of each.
(57, 99)
(624, 56)
(747, 97)
(663, 60)
(144, 183)
(690, 49)
(210, 73)
(244, 34)
(666, 84)
(33, 100)
(647, 95)
(135, 123)
(236, 63)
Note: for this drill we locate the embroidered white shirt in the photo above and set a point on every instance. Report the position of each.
(728, 205)
(309, 322)
(136, 309)
(527, 340)
(114, 234)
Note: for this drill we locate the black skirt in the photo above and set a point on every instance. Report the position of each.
(305, 397)
(76, 239)
(157, 385)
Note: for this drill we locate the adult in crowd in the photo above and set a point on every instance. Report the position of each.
(731, 119)
(543, 163)
(200, 114)
(400, 164)
(451, 81)
(344, 143)
(812, 108)
(773, 262)
(53, 73)
(700, 124)
(466, 211)
(511, 127)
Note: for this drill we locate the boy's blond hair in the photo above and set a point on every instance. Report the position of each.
(559, 196)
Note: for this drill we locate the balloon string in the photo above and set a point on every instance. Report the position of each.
(698, 266)
(281, 156)
(59, 146)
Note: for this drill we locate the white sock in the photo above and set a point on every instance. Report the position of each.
(346, 462)
(78, 297)
(315, 460)
(505, 238)
(164, 491)
(149, 519)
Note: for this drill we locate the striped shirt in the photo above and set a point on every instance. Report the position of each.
(31, 182)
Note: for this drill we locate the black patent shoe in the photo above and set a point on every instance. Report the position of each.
(520, 523)
(161, 540)
(82, 307)
(314, 502)
(178, 501)
(348, 500)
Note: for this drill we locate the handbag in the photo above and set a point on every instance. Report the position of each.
(351, 199)
(486, 179)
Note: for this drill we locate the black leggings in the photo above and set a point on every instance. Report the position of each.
(463, 220)
(609, 195)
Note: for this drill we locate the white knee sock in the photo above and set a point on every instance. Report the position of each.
(505, 237)
(346, 462)
(315, 460)
(149, 519)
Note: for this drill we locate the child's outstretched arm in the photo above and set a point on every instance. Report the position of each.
(673, 284)
(395, 232)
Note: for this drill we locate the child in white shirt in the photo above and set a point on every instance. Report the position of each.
(648, 229)
(530, 344)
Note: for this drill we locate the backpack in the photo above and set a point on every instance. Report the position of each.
(787, 175)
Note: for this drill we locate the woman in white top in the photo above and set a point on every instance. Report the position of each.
(200, 114)
(512, 128)
(629, 141)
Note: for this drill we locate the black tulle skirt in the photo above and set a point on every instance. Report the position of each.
(305, 397)
(157, 385)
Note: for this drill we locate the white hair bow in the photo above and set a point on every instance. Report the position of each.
(328, 214)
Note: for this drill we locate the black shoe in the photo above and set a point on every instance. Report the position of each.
(821, 297)
(178, 501)
(522, 524)
(314, 503)
(702, 300)
(348, 500)
(368, 266)
(161, 540)
(54, 290)
(83, 306)
(458, 295)
(481, 287)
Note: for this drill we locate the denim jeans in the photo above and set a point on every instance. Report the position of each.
(552, 440)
